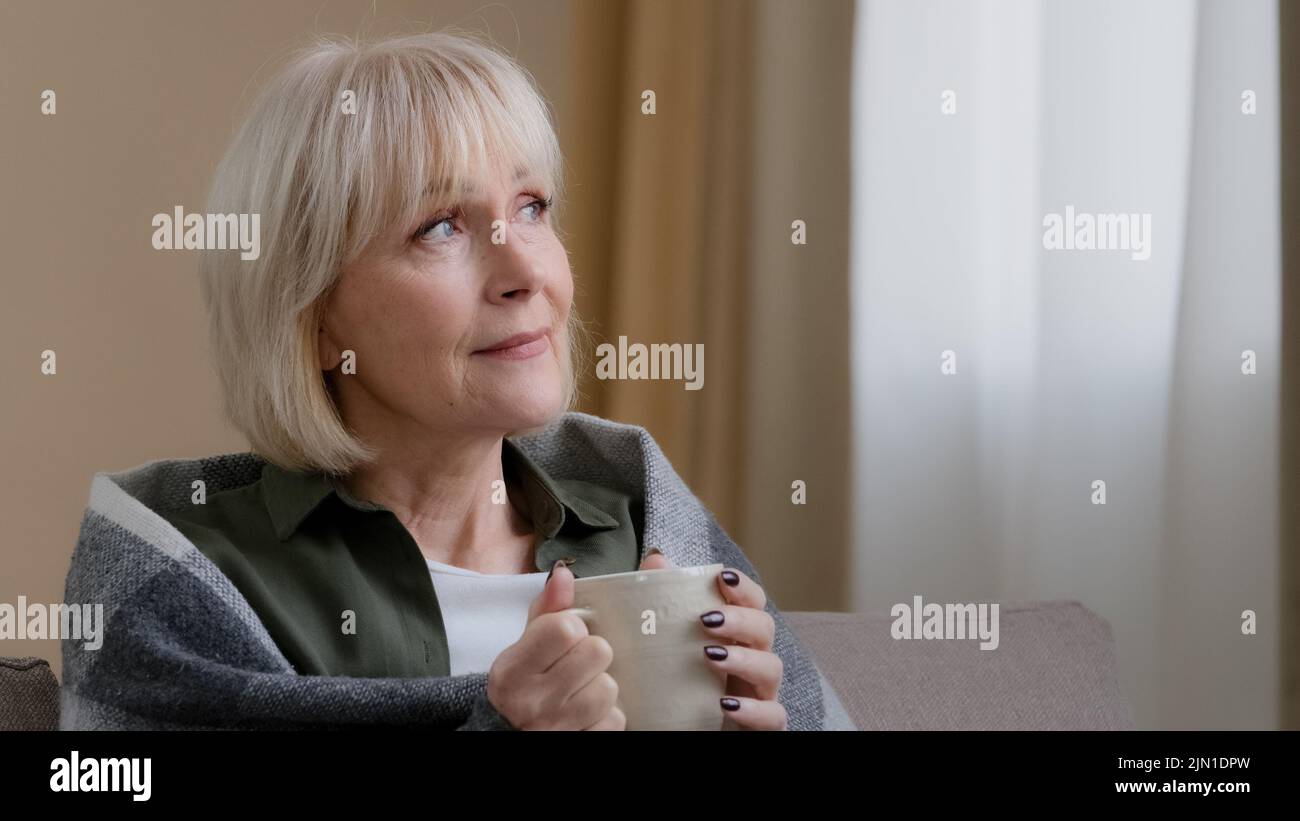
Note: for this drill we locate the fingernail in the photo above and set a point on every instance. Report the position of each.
(558, 562)
(652, 551)
(730, 577)
(715, 652)
(713, 618)
(730, 704)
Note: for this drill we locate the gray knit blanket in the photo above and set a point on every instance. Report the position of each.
(182, 648)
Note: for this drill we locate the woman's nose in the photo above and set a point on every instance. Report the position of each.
(514, 270)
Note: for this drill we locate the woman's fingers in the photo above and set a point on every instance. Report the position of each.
(760, 669)
(737, 588)
(731, 624)
(655, 561)
(613, 720)
(753, 714)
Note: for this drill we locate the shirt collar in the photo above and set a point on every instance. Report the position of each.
(291, 496)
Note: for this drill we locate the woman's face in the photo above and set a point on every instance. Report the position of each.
(423, 306)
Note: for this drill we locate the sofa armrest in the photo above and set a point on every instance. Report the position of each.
(29, 694)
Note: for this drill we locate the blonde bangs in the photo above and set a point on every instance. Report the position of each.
(436, 120)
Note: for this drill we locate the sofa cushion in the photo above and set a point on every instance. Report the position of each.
(1053, 669)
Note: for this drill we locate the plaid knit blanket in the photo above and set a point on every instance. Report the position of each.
(183, 649)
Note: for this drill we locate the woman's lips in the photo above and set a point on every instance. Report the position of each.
(525, 351)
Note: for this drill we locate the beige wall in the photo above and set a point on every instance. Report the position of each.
(147, 98)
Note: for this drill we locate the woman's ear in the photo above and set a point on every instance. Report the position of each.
(330, 353)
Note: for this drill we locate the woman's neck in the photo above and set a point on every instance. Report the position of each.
(455, 501)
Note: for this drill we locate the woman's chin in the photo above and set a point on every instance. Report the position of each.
(519, 401)
(532, 411)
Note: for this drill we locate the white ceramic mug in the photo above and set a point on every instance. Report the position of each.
(651, 619)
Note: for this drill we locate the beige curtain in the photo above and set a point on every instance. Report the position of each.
(679, 225)
(1289, 463)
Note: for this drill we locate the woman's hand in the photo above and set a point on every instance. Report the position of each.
(554, 677)
(743, 651)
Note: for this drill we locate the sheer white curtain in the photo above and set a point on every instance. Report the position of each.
(1073, 366)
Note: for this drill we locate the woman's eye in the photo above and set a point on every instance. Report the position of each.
(539, 206)
(432, 230)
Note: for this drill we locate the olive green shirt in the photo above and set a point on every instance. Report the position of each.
(341, 585)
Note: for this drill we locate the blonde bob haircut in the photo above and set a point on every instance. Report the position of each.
(344, 143)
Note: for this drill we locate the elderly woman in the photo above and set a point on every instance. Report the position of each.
(408, 323)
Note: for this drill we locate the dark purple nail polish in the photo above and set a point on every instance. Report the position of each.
(558, 562)
(730, 577)
(713, 618)
(715, 652)
(730, 704)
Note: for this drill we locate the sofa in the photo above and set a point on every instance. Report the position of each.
(1054, 669)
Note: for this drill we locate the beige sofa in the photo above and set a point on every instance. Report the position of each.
(1053, 669)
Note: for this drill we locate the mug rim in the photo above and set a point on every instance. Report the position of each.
(694, 570)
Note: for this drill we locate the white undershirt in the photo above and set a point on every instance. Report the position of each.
(482, 613)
